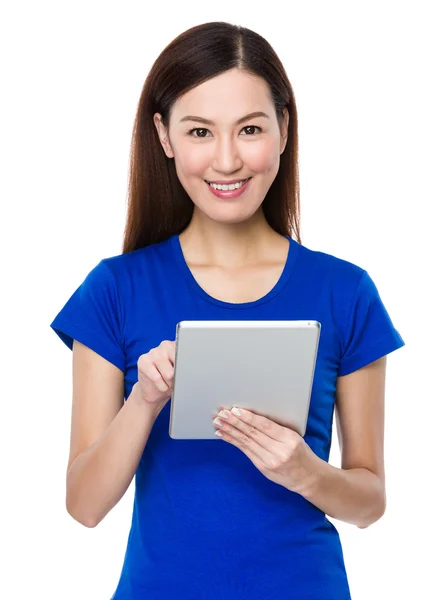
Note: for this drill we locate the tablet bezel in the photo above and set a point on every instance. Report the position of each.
(287, 348)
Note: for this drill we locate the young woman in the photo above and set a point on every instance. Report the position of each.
(213, 202)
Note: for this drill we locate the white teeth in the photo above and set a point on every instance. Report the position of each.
(225, 187)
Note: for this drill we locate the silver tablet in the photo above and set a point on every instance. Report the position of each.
(264, 366)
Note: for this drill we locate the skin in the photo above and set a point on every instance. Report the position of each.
(236, 256)
(233, 234)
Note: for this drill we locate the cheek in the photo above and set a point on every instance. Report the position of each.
(193, 160)
(262, 157)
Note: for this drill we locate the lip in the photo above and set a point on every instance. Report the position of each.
(224, 182)
(229, 194)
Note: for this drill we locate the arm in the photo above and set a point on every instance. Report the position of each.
(355, 493)
(107, 436)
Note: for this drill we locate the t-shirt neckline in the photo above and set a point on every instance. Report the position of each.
(277, 288)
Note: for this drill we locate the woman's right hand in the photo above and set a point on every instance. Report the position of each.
(156, 374)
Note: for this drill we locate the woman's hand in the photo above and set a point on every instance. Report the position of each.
(156, 373)
(278, 452)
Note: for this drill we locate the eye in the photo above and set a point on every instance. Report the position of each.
(204, 129)
(251, 127)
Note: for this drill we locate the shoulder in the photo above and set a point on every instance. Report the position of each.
(123, 263)
(333, 270)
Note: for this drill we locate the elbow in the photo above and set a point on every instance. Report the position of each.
(86, 520)
(89, 523)
(77, 509)
(376, 513)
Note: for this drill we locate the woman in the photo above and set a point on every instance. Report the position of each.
(245, 516)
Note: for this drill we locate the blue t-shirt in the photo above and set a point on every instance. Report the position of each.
(207, 524)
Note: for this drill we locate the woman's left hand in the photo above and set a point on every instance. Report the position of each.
(280, 453)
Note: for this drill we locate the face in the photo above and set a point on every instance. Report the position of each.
(224, 149)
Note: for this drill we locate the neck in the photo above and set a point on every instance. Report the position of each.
(230, 246)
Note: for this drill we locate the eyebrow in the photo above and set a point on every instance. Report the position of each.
(208, 122)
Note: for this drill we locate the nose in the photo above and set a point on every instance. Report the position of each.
(226, 156)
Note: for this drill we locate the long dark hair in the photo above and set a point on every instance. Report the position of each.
(158, 205)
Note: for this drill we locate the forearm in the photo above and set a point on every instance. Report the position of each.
(101, 474)
(356, 496)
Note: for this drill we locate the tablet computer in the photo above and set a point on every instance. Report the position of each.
(264, 366)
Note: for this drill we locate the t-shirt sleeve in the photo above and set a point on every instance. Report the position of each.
(370, 333)
(93, 316)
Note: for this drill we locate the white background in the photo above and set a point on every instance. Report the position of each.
(365, 77)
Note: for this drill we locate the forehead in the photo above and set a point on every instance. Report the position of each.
(225, 98)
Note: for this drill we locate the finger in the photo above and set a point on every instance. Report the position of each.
(253, 425)
(169, 349)
(159, 373)
(261, 457)
(219, 408)
(232, 438)
(164, 366)
(254, 434)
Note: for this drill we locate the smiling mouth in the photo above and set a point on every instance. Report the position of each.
(241, 181)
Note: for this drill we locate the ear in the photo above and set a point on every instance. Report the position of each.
(163, 135)
(284, 130)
